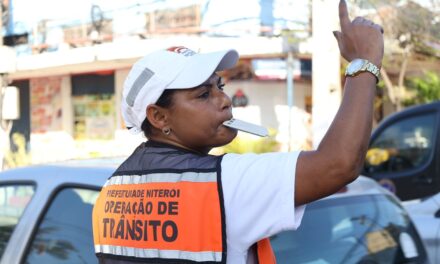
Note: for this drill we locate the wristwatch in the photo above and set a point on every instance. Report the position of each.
(357, 66)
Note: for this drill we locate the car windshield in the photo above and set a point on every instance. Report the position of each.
(362, 229)
(13, 201)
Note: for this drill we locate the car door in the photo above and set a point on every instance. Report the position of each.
(64, 233)
(14, 199)
(402, 154)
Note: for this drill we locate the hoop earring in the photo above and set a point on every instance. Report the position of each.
(166, 131)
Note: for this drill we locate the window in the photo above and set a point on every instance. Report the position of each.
(65, 233)
(13, 201)
(403, 146)
(94, 116)
(351, 230)
(93, 98)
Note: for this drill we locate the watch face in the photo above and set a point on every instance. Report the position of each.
(355, 66)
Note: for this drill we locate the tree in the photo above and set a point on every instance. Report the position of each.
(409, 29)
(425, 89)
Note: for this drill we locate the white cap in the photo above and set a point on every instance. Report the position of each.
(173, 68)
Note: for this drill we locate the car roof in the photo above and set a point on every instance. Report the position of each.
(361, 186)
(112, 162)
(92, 172)
(407, 112)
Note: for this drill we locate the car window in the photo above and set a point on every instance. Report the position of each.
(363, 229)
(13, 202)
(65, 232)
(404, 145)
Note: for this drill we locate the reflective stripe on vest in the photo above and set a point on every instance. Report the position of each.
(154, 253)
(163, 177)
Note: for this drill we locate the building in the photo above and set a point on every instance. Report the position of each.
(70, 77)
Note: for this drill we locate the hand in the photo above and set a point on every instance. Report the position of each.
(360, 38)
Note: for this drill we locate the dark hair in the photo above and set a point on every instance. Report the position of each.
(165, 101)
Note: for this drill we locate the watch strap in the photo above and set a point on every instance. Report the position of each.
(370, 67)
(367, 66)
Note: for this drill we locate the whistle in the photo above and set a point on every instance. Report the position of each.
(246, 127)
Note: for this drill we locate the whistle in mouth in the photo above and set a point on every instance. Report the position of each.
(247, 127)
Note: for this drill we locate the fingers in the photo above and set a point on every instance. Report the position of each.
(360, 21)
(345, 22)
(343, 16)
(378, 27)
(364, 21)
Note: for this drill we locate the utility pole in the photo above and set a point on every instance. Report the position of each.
(290, 46)
(1, 24)
(326, 79)
(290, 95)
(2, 74)
(4, 136)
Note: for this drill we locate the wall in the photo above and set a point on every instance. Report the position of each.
(51, 119)
(268, 94)
(268, 107)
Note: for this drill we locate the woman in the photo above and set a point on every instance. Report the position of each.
(171, 202)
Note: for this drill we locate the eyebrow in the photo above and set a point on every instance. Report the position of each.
(209, 83)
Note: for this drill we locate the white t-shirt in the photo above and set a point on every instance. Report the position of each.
(258, 193)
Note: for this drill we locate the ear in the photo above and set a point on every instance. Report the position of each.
(157, 116)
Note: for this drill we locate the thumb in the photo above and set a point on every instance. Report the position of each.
(342, 49)
(338, 36)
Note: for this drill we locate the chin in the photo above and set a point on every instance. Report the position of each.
(225, 138)
(229, 136)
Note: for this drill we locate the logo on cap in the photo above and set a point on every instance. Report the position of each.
(182, 50)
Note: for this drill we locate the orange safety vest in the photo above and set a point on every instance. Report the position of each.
(168, 211)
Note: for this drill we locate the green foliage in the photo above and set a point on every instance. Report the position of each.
(20, 157)
(425, 89)
(408, 22)
(251, 144)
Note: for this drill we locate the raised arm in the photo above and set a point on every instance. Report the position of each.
(341, 153)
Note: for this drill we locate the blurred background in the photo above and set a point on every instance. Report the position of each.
(63, 64)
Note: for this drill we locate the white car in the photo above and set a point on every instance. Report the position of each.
(45, 217)
(426, 217)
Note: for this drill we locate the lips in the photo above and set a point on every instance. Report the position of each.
(227, 119)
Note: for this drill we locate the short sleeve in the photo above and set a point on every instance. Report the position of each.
(258, 192)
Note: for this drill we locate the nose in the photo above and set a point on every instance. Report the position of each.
(225, 101)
